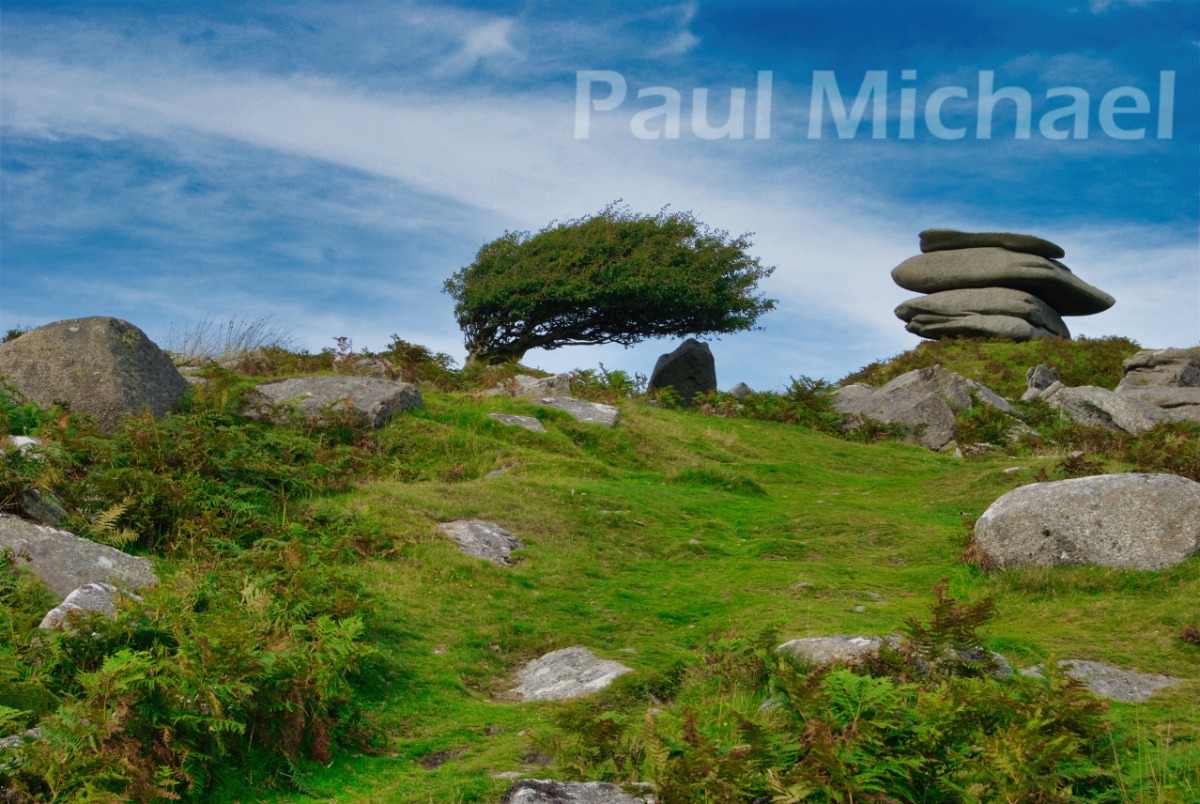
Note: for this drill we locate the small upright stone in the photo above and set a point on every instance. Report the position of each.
(690, 370)
(740, 391)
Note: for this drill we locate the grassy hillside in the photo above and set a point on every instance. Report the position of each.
(667, 543)
(1001, 364)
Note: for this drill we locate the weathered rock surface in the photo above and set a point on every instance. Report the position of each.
(18, 740)
(949, 387)
(97, 596)
(1163, 396)
(482, 540)
(947, 239)
(43, 509)
(371, 400)
(28, 446)
(547, 791)
(1135, 521)
(102, 367)
(523, 385)
(1098, 407)
(524, 422)
(690, 370)
(950, 305)
(64, 562)
(1172, 368)
(1108, 681)
(586, 412)
(850, 649)
(1052, 282)
(1037, 380)
(974, 325)
(567, 673)
(824, 650)
(740, 391)
(989, 397)
(925, 417)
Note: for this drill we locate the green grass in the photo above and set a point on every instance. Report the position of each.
(648, 541)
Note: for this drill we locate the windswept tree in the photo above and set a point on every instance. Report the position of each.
(615, 277)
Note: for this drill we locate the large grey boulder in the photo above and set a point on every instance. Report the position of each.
(1172, 368)
(548, 791)
(482, 540)
(524, 422)
(102, 367)
(64, 562)
(1109, 681)
(1050, 281)
(1135, 521)
(690, 370)
(98, 596)
(947, 239)
(1098, 407)
(829, 649)
(926, 418)
(951, 305)
(370, 400)
(567, 673)
(1181, 403)
(975, 325)
(951, 388)
(586, 412)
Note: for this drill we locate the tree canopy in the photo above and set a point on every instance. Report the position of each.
(614, 277)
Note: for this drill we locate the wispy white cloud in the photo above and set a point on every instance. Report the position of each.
(1100, 6)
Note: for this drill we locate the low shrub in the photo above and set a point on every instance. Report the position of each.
(927, 722)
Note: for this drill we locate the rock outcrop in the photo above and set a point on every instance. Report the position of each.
(64, 562)
(567, 673)
(690, 370)
(523, 385)
(586, 412)
(1109, 681)
(549, 791)
(482, 540)
(524, 422)
(1098, 407)
(101, 367)
(994, 284)
(99, 597)
(370, 400)
(1169, 368)
(1037, 380)
(1134, 521)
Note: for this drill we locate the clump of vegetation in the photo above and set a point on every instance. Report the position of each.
(210, 340)
(928, 722)
(244, 657)
(1001, 364)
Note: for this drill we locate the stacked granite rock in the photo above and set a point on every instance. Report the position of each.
(992, 284)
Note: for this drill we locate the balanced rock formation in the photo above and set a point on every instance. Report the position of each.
(690, 370)
(993, 284)
(1133, 521)
(101, 367)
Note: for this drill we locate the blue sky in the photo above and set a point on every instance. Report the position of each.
(329, 164)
